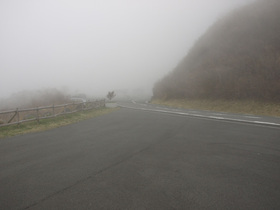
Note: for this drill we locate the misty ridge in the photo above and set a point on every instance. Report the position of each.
(36, 98)
(237, 58)
(93, 47)
(39, 54)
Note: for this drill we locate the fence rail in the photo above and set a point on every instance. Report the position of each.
(18, 116)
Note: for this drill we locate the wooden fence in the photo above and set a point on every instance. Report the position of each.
(18, 116)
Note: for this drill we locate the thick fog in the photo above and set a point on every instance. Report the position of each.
(94, 46)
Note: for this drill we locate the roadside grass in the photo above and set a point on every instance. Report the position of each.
(47, 124)
(231, 106)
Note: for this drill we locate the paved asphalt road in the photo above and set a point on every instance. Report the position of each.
(143, 159)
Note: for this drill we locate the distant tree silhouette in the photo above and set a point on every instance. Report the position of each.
(111, 95)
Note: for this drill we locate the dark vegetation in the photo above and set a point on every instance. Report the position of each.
(237, 58)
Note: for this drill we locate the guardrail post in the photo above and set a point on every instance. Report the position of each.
(53, 110)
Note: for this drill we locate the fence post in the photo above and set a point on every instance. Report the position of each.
(17, 113)
(37, 114)
(53, 110)
(10, 120)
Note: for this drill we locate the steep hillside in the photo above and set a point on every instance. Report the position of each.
(237, 58)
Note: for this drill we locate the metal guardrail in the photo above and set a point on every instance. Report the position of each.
(18, 116)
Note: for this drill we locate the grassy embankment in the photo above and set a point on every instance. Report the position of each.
(234, 106)
(50, 123)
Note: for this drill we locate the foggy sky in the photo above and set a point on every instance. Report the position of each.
(98, 45)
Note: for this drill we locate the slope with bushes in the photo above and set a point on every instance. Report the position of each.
(237, 58)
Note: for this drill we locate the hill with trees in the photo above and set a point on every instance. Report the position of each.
(237, 58)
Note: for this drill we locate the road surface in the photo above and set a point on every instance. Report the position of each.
(141, 158)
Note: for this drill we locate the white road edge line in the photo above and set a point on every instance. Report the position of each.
(207, 117)
(219, 114)
(252, 117)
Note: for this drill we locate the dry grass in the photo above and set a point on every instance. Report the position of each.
(51, 123)
(234, 106)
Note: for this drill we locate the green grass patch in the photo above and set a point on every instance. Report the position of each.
(46, 124)
(231, 106)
